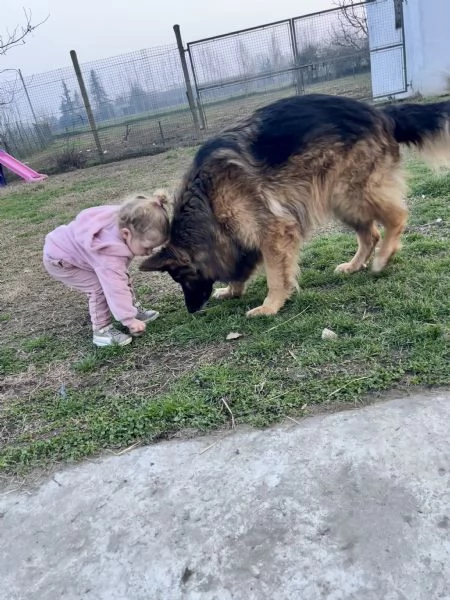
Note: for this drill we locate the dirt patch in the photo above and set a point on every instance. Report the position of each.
(27, 384)
(152, 373)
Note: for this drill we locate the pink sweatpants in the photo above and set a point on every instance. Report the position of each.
(84, 281)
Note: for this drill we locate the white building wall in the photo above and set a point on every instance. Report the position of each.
(387, 64)
(427, 47)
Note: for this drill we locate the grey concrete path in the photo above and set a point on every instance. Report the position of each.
(350, 506)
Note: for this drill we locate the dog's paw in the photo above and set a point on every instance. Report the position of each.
(261, 311)
(222, 293)
(348, 268)
(378, 264)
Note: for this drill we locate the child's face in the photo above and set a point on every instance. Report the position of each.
(142, 246)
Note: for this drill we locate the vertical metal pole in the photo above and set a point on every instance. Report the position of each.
(27, 95)
(201, 110)
(87, 104)
(40, 137)
(187, 79)
(161, 132)
(293, 36)
(405, 66)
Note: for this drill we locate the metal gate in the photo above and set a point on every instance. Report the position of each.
(355, 51)
(386, 36)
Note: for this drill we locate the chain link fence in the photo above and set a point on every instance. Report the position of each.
(137, 103)
(331, 52)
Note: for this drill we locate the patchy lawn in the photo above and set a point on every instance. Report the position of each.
(61, 399)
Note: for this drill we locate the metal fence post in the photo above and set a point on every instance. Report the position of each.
(87, 104)
(187, 79)
(201, 110)
(298, 73)
(38, 132)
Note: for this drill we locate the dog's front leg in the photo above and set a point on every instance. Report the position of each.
(234, 289)
(280, 255)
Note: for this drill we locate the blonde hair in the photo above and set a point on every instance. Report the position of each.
(140, 214)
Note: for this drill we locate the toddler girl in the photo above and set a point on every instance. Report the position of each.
(92, 255)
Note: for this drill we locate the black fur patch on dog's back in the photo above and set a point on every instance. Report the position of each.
(209, 147)
(413, 123)
(289, 126)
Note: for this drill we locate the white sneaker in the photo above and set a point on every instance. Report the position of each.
(147, 315)
(110, 336)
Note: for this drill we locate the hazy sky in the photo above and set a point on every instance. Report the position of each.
(102, 28)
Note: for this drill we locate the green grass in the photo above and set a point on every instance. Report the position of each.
(393, 332)
(32, 205)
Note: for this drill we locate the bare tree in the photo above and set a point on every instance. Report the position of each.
(353, 30)
(244, 59)
(19, 33)
(353, 21)
(8, 41)
(245, 63)
(211, 65)
(8, 90)
(276, 54)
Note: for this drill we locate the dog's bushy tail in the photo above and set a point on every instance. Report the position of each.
(425, 126)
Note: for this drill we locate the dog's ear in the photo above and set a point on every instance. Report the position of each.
(166, 259)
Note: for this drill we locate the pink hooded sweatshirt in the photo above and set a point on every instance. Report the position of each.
(93, 242)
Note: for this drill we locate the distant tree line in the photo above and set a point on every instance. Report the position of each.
(136, 101)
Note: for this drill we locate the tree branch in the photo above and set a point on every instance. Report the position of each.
(353, 28)
(18, 35)
(352, 16)
(8, 90)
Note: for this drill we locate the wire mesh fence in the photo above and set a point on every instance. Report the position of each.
(137, 103)
(339, 51)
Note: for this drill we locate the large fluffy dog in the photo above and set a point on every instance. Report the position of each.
(253, 193)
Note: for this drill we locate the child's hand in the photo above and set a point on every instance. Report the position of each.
(136, 326)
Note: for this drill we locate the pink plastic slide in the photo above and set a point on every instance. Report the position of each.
(19, 168)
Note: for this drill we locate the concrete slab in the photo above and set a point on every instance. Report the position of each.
(350, 506)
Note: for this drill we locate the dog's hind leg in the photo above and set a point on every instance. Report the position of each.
(391, 211)
(380, 200)
(280, 254)
(368, 237)
(394, 221)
